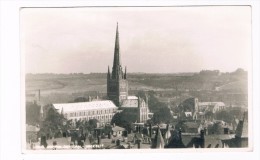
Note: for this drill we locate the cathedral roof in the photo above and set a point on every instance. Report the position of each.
(130, 103)
(132, 97)
(73, 107)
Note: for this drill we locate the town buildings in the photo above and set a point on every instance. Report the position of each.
(192, 107)
(103, 111)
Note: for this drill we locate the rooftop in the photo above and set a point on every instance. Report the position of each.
(30, 128)
(117, 128)
(70, 107)
(132, 97)
(211, 103)
(130, 103)
(192, 124)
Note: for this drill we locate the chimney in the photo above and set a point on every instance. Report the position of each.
(205, 131)
(202, 137)
(139, 144)
(99, 139)
(180, 136)
(150, 130)
(118, 142)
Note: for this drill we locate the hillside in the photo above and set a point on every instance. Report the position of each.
(66, 87)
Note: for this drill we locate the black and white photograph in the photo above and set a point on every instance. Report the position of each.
(100, 78)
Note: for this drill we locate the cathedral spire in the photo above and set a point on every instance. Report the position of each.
(117, 85)
(117, 62)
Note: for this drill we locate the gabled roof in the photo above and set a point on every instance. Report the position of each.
(161, 125)
(138, 136)
(242, 129)
(192, 124)
(117, 128)
(210, 141)
(132, 103)
(30, 128)
(159, 141)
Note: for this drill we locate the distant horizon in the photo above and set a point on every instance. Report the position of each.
(139, 72)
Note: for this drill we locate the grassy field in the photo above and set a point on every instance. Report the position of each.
(60, 88)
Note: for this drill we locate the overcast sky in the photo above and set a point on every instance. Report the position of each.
(152, 40)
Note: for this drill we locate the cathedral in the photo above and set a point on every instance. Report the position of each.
(117, 89)
(117, 85)
(117, 99)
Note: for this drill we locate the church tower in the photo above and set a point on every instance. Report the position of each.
(117, 85)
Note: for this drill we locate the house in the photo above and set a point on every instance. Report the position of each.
(240, 140)
(117, 131)
(192, 127)
(179, 140)
(196, 110)
(211, 106)
(31, 133)
(189, 127)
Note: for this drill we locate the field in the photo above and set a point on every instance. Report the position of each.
(62, 88)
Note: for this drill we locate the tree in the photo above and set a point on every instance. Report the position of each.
(225, 116)
(123, 120)
(53, 123)
(32, 113)
(92, 124)
(162, 114)
(239, 71)
(188, 105)
(209, 115)
(81, 99)
(216, 128)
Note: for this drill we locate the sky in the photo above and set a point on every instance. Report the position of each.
(152, 39)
